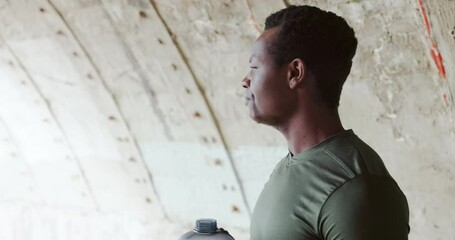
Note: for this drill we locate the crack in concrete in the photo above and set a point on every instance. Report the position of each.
(114, 99)
(154, 104)
(136, 66)
(18, 149)
(256, 25)
(59, 126)
(206, 101)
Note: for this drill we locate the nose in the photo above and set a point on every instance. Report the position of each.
(246, 82)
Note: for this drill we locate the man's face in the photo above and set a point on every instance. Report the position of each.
(268, 96)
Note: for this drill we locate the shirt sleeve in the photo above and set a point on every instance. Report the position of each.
(367, 207)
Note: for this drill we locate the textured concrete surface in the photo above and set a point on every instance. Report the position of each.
(124, 119)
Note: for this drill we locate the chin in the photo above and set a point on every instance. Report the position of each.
(255, 116)
(266, 120)
(259, 118)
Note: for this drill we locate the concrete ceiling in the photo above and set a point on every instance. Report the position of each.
(124, 119)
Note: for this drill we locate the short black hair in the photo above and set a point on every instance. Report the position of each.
(323, 40)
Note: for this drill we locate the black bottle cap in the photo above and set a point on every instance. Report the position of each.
(205, 225)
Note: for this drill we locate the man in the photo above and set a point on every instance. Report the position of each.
(331, 185)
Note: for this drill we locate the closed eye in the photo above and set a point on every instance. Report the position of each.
(253, 67)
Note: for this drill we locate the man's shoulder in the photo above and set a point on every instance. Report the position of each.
(356, 156)
(365, 206)
(338, 160)
(330, 166)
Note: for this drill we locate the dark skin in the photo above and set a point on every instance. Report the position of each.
(286, 98)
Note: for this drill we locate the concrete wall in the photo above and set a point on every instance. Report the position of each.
(124, 119)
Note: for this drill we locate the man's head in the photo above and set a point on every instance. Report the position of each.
(323, 40)
(303, 41)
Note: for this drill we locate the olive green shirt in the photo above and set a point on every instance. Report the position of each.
(338, 189)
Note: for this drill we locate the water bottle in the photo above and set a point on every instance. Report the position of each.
(206, 229)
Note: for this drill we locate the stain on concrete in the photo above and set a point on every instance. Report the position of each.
(434, 50)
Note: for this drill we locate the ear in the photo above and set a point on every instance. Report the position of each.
(296, 73)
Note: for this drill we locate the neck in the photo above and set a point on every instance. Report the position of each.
(310, 127)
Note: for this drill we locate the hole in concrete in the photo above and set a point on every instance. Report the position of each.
(142, 14)
(224, 187)
(218, 162)
(160, 41)
(204, 139)
(152, 93)
(148, 200)
(187, 90)
(75, 54)
(112, 118)
(213, 140)
(89, 76)
(196, 115)
(42, 10)
(60, 32)
(174, 67)
(132, 159)
(235, 209)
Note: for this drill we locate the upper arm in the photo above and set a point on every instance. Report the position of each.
(366, 207)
